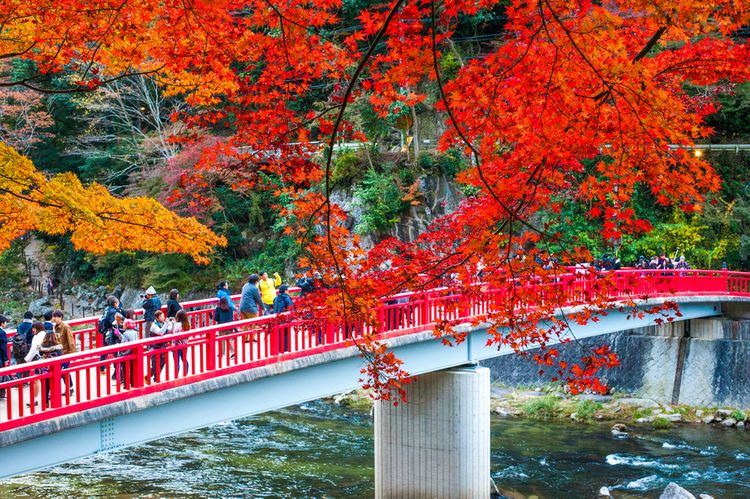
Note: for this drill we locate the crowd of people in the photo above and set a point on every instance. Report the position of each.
(34, 340)
(662, 262)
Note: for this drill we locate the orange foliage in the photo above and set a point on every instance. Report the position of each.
(97, 221)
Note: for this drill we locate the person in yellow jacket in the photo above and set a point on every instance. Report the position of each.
(268, 290)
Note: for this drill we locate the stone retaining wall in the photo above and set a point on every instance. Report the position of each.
(715, 363)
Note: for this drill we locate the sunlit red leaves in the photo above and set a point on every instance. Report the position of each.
(575, 99)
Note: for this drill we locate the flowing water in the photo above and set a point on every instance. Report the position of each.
(322, 450)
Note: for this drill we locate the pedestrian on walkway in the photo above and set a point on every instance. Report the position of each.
(251, 304)
(173, 306)
(150, 305)
(48, 325)
(49, 349)
(181, 325)
(38, 337)
(65, 336)
(107, 324)
(222, 289)
(223, 314)
(49, 284)
(283, 303)
(268, 289)
(128, 335)
(22, 341)
(159, 328)
(25, 327)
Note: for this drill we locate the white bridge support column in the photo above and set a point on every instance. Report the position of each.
(436, 445)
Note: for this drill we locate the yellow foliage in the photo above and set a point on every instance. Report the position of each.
(97, 221)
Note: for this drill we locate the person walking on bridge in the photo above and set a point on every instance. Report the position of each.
(127, 373)
(222, 314)
(173, 306)
(39, 335)
(65, 336)
(251, 304)
(150, 305)
(181, 325)
(268, 290)
(283, 303)
(24, 329)
(159, 328)
(22, 340)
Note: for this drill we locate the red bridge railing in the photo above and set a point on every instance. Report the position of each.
(84, 328)
(131, 370)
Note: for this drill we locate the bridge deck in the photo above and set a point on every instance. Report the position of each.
(261, 342)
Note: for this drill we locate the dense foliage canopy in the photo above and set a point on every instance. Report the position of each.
(567, 100)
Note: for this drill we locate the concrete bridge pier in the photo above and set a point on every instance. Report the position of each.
(436, 445)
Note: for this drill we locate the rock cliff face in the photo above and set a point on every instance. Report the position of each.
(440, 196)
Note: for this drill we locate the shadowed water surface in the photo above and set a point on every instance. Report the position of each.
(322, 450)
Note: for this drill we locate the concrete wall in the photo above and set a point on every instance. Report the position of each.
(714, 361)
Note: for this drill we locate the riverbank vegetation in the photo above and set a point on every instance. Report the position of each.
(551, 404)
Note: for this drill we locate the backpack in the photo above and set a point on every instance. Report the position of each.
(20, 347)
(105, 322)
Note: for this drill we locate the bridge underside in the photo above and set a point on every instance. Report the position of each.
(247, 393)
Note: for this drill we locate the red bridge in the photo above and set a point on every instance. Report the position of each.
(267, 346)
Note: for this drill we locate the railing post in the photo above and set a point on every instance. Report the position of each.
(211, 350)
(425, 313)
(55, 380)
(330, 332)
(275, 338)
(138, 375)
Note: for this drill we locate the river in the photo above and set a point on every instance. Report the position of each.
(319, 449)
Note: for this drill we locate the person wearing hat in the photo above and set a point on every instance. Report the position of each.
(151, 304)
(128, 334)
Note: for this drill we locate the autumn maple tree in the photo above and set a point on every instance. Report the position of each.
(573, 99)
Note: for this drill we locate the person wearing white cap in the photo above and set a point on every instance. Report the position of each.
(151, 304)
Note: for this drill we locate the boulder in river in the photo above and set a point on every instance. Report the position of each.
(724, 412)
(674, 491)
(709, 419)
(619, 430)
(604, 492)
(729, 422)
(740, 425)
